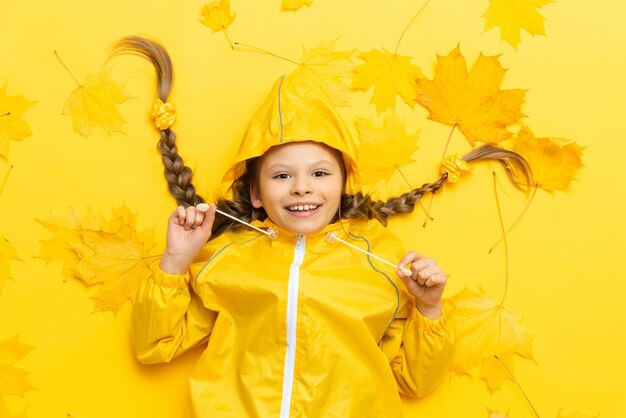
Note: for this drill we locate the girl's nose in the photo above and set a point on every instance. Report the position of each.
(301, 187)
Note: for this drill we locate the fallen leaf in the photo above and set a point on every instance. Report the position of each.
(384, 149)
(511, 16)
(12, 126)
(329, 68)
(553, 161)
(7, 253)
(217, 15)
(94, 103)
(13, 380)
(295, 4)
(472, 101)
(485, 329)
(96, 251)
(390, 74)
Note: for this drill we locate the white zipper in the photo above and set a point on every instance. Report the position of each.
(292, 320)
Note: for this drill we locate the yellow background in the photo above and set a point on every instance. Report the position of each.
(567, 263)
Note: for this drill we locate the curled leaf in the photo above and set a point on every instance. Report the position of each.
(390, 74)
(511, 16)
(294, 5)
(216, 15)
(12, 126)
(471, 100)
(553, 161)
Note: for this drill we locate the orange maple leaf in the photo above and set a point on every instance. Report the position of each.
(390, 74)
(486, 330)
(94, 103)
(511, 16)
(13, 380)
(110, 253)
(328, 68)
(384, 149)
(216, 15)
(554, 161)
(12, 126)
(294, 5)
(7, 253)
(472, 101)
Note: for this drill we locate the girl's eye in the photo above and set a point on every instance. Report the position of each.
(281, 176)
(320, 173)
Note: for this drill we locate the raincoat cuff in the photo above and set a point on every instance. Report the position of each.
(175, 281)
(437, 326)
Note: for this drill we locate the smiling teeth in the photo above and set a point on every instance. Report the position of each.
(303, 207)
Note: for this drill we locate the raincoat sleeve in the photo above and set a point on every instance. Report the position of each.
(419, 351)
(168, 318)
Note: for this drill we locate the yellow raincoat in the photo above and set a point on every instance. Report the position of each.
(295, 326)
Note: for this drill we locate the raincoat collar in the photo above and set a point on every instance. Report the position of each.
(315, 240)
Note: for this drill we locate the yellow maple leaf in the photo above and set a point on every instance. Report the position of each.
(390, 74)
(511, 16)
(13, 380)
(7, 253)
(94, 103)
(217, 15)
(384, 149)
(485, 329)
(96, 251)
(295, 4)
(12, 126)
(328, 68)
(576, 414)
(471, 100)
(554, 161)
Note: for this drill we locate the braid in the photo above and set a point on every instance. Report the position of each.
(359, 206)
(178, 175)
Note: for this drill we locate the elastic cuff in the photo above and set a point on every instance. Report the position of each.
(178, 281)
(437, 326)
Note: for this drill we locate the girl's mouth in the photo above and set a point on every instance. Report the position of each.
(302, 211)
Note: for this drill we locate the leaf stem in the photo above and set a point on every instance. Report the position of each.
(5, 114)
(266, 52)
(6, 177)
(228, 38)
(411, 187)
(517, 384)
(66, 69)
(506, 244)
(445, 150)
(508, 231)
(406, 28)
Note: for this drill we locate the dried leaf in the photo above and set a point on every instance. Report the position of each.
(12, 126)
(553, 161)
(94, 103)
(328, 67)
(295, 4)
(110, 253)
(390, 74)
(216, 15)
(485, 329)
(472, 101)
(13, 380)
(7, 253)
(384, 149)
(511, 16)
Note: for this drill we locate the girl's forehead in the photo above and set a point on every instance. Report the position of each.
(301, 151)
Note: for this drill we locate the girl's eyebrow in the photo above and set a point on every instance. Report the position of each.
(280, 165)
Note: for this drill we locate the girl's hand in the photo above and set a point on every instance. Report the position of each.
(426, 283)
(187, 232)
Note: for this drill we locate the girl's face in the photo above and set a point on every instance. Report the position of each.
(300, 185)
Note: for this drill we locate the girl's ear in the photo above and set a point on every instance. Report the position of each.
(255, 198)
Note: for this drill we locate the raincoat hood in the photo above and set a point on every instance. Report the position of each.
(297, 109)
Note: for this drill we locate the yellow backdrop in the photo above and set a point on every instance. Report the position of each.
(565, 261)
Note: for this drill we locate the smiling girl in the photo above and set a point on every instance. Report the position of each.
(294, 324)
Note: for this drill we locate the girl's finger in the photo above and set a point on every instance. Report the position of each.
(180, 214)
(409, 258)
(437, 279)
(190, 218)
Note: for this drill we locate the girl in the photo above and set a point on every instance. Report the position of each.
(295, 323)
